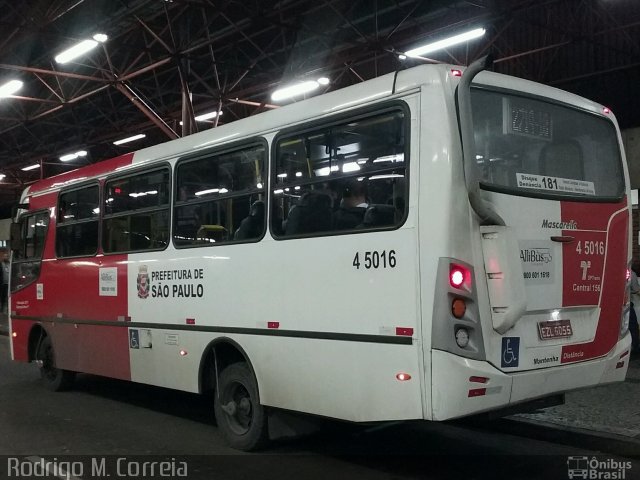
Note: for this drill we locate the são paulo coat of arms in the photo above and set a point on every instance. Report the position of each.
(143, 281)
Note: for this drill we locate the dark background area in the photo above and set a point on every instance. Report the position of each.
(231, 55)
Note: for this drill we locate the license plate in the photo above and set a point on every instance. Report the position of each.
(555, 329)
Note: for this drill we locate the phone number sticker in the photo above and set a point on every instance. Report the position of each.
(537, 260)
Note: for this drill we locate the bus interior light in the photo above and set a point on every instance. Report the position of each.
(456, 73)
(403, 377)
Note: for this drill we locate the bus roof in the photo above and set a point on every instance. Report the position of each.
(324, 105)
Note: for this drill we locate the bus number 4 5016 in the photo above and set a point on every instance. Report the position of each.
(376, 259)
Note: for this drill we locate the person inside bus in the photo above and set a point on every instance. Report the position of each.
(353, 206)
(188, 217)
(252, 225)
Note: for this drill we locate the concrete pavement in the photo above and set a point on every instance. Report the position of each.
(609, 410)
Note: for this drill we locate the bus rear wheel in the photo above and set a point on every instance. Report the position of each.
(240, 417)
(55, 379)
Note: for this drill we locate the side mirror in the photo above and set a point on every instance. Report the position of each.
(19, 206)
(15, 236)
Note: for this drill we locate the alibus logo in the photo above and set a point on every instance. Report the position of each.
(593, 468)
(536, 255)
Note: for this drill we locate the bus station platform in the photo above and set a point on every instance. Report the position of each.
(611, 411)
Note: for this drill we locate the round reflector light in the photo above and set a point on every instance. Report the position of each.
(462, 337)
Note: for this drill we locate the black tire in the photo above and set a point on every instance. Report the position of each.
(240, 417)
(55, 379)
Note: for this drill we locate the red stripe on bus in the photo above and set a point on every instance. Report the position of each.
(611, 282)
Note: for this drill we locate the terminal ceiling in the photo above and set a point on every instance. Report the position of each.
(232, 54)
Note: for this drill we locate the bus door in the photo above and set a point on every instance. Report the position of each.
(554, 174)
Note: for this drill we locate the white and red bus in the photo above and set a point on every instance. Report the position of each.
(430, 244)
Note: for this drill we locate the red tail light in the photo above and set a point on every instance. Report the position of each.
(459, 277)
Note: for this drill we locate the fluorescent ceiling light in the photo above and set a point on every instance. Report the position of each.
(447, 42)
(73, 156)
(129, 139)
(298, 89)
(80, 49)
(2, 176)
(207, 116)
(31, 167)
(10, 88)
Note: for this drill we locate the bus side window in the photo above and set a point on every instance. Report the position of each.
(326, 180)
(77, 222)
(137, 212)
(220, 197)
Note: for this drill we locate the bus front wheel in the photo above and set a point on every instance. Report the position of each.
(54, 378)
(240, 417)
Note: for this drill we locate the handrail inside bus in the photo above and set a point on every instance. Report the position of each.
(488, 216)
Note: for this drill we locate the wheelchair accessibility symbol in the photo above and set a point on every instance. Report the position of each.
(134, 341)
(510, 351)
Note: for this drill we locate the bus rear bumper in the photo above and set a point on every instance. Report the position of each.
(458, 390)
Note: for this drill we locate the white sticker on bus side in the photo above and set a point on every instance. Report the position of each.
(556, 184)
(108, 284)
(536, 257)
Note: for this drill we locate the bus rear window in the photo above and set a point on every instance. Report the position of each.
(530, 147)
